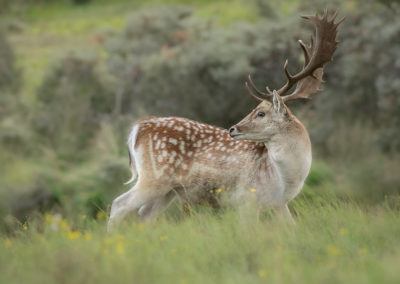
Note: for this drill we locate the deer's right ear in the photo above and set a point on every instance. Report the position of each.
(277, 102)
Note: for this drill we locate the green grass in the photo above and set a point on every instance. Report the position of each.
(335, 242)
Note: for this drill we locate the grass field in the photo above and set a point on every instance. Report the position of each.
(333, 242)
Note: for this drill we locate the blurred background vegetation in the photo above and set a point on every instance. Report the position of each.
(74, 74)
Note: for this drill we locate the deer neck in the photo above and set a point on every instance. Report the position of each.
(289, 154)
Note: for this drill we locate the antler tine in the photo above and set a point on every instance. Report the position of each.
(325, 16)
(306, 51)
(316, 55)
(260, 95)
(289, 77)
(334, 17)
(339, 22)
(252, 94)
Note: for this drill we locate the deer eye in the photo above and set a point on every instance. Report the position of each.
(261, 114)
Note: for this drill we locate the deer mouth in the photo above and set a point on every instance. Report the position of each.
(236, 135)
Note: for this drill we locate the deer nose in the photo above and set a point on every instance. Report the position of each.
(232, 130)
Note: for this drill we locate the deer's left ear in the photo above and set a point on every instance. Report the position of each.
(278, 103)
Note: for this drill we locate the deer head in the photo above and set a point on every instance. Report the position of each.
(272, 116)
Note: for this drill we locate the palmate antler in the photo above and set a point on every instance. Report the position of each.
(310, 77)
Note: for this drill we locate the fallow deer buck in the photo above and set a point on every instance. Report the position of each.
(267, 154)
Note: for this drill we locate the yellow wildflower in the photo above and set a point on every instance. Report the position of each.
(343, 231)
(334, 251)
(7, 243)
(100, 215)
(120, 248)
(252, 189)
(48, 218)
(73, 235)
(64, 225)
(25, 227)
(363, 251)
(84, 217)
(261, 273)
(218, 190)
(88, 236)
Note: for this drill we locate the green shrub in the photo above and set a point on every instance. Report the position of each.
(14, 132)
(10, 77)
(169, 62)
(73, 100)
(363, 81)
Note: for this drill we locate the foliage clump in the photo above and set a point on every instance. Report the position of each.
(10, 76)
(171, 63)
(73, 100)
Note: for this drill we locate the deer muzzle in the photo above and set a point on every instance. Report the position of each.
(234, 131)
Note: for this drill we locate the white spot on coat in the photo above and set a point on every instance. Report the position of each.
(158, 144)
(173, 141)
(182, 147)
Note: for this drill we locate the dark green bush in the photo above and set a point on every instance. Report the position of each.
(363, 82)
(73, 101)
(13, 132)
(171, 63)
(10, 77)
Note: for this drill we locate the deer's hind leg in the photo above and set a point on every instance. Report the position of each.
(284, 214)
(150, 211)
(130, 202)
